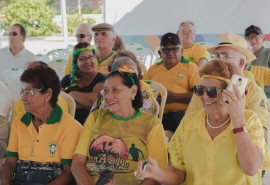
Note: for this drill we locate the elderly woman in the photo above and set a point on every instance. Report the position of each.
(220, 144)
(85, 82)
(128, 59)
(18, 107)
(42, 139)
(115, 139)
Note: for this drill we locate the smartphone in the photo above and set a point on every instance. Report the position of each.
(240, 82)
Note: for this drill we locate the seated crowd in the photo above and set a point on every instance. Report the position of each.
(116, 135)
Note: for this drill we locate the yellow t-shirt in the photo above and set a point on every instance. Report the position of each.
(212, 162)
(115, 145)
(55, 142)
(179, 79)
(18, 107)
(195, 53)
(261, 75)
(256, 101)
(68, 66)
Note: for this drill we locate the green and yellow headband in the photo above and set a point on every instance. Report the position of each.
(127, 71)
(217, 77)
(77, 52)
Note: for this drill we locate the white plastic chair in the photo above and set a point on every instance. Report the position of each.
(158, 89)
(155, 107)
(57, 54)
(70, 102)
(70, 48)
(59, 66)
(43, 57)
(145, 55)
(133, 45)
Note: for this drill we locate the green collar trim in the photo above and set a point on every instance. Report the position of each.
(249, 67)
(183, 60)
(126, 119)
(100, 61)
(55, 117)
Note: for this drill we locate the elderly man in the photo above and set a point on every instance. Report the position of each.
(193, 52)
(255, 39)
(104, 38)
(178, 75)
(234, 49)
(15, 55)
(83, 34)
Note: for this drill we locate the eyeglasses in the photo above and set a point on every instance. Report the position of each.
(168, 50)
(83, 59)
(28, 93)
(13, 33)
(223, 56)
(80, 35)
(212, 92)
(251, 37)
(187, 32)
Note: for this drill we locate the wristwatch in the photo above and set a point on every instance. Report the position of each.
(240, 129)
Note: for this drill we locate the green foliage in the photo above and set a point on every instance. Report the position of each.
(74, 20)
(34, 15)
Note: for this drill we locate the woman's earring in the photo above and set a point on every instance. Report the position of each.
(132, 98)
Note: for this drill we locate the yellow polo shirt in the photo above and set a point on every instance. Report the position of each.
(195, 53)
(115, 145)
(179, 79)
(256, 101)
(55, 142)
(212, 162)
(104, 64)
(261, 75)
(18, 107)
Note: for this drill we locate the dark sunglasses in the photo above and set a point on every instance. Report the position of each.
(80, 36)
(212, 92)
(168, 50)
(13, 33)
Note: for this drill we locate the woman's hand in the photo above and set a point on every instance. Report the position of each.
(150, 171)
(234, 103)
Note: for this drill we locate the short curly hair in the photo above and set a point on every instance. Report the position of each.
(218, 67)
(42, 77)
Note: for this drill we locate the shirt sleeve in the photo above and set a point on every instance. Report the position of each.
(12, 150)
(175, 149)
(84, 141)
(201, 53)
(156, 145)
(256, 132)
(69, 141)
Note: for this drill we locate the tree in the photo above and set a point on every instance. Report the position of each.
(34, 15)
(75, 19)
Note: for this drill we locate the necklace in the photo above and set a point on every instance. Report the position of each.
(221, 125)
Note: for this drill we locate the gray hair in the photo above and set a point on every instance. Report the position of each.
(86, 26)
(186, 22)
(122, 60)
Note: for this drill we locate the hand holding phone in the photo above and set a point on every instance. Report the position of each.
(240, 82)
(144, 165)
